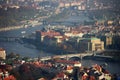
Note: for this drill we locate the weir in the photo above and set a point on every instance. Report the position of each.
(5, 39)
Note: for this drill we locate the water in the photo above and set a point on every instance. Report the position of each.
(33, 52)
(18, 47)
(18, 32)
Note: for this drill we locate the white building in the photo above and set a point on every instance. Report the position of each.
(73, 34)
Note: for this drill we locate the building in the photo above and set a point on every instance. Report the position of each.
(74, 34)
(108, 40)
(41, 36)
(2, 54)
(91, 44)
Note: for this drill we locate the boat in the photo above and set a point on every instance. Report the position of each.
(23, 32)
(29, 46)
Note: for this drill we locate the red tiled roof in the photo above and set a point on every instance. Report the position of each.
(11, 77)
(1, 49)
(50, 33)
(65, 62)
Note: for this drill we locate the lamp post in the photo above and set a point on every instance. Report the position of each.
(81, 58)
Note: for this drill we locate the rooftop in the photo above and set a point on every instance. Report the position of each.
(1, 49)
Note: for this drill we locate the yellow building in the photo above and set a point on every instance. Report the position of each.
(2, 54)
(91, 44)
(108, 41)
(110, 22)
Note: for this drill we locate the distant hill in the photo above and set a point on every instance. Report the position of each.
(13, 16)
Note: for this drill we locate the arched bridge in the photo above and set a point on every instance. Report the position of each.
(80, 55)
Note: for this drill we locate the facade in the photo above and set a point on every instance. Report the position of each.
(49, 40)
(2, 54)
(74, 34)
(108, 40)
(42, 36)
(91, 44)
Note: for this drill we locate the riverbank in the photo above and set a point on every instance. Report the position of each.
(19, 26)
(11, 28)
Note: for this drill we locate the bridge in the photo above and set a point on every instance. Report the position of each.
(79, 56)
(67, 56)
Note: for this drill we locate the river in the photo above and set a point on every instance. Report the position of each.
(21, 49)
(18, 47)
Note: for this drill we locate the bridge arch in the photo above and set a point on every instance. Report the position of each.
(75, 58)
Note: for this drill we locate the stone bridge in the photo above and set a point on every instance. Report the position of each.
(67, 56)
